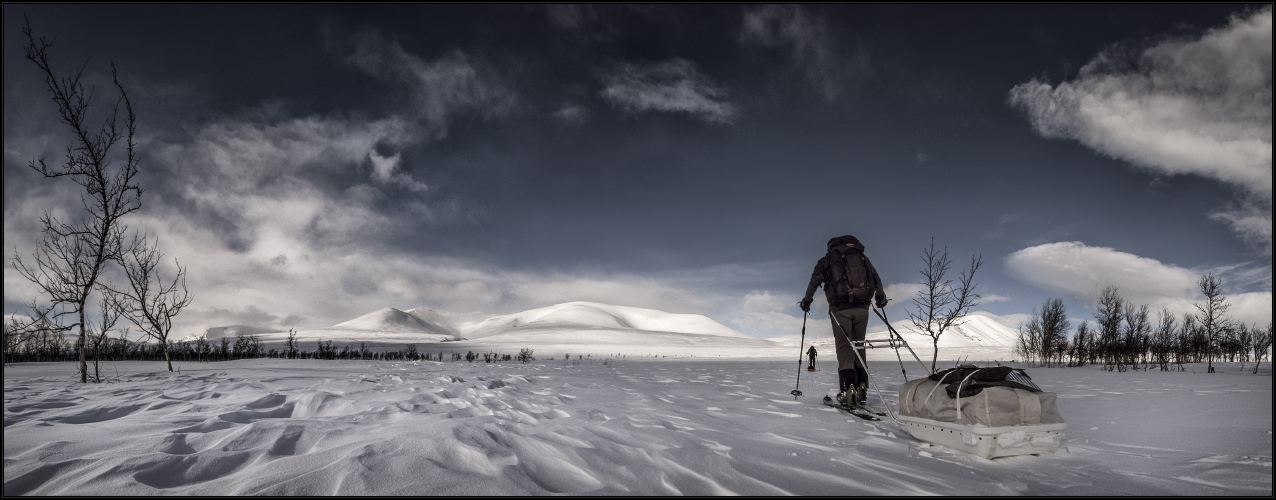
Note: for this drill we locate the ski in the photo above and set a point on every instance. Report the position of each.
(855, 412)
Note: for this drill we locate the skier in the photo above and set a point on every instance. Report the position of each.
(811, 353)
(850, 284)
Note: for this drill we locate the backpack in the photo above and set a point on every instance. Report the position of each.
(971, 380)
(850, 276)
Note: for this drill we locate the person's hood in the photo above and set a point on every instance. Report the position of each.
(846, 243)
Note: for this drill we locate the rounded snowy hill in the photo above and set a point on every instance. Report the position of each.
(384, 327)
(577, 316)
(607, 328)
(389, 319)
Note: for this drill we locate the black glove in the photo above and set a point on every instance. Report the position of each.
(805, 304)
(881, 302)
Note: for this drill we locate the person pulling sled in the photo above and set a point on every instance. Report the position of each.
(810, 354)
(850, 285)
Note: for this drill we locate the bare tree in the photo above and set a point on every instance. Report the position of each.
(1212, 318)
(291, 351)
(1135, 333)
(1082, 345)
(152, 302)
(1054, 331)
(1108, 318)
(1262, 343)
(1029, 342)
(99, 334)
(1163, 339)
(939, 305)
(72, 254)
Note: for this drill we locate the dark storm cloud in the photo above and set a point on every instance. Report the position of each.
(325, 161)
(814, 50)
(439, 89)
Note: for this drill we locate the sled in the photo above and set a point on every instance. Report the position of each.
(985, 418)
(1006, 416)
(987, 442)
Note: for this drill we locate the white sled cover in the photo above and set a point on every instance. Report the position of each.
(998, 421)
(992, 407)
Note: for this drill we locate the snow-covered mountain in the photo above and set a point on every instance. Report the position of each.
(590, 327)
(592, 316)
(389, 319)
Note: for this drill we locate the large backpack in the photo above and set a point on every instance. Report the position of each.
(852, 280)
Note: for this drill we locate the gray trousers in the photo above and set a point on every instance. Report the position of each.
(855, 321)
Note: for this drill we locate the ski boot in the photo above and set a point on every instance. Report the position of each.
(848, 399)
(861, 394)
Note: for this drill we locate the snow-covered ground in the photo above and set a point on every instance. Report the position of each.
(630, 426)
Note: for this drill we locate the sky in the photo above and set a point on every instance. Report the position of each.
(310, 163)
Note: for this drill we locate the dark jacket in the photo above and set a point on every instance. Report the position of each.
(845, 258)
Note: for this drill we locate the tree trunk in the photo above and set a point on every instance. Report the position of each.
(84, 365)
(934, 355)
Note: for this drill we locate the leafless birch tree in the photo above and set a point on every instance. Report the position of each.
(72, 255)
(1212, 317)
(938, 304)
(152, 302)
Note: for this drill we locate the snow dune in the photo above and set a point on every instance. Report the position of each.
(308, 427)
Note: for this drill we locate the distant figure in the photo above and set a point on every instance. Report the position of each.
(850, 285)
(810, 353)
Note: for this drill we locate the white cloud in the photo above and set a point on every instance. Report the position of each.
(1198, 106)
(1082, 271)
(813, 49)
(903, 293)
(1250, 218)
(572, 113)
(674, 86)
(766, 315)
(383, 169)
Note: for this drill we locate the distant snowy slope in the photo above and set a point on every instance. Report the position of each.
(389, 319)
(229, 331)
(978, 336)
(594, 316)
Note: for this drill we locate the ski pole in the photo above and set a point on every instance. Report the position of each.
(882, 315)
(796, 392)
(895, 347)
(865, 365)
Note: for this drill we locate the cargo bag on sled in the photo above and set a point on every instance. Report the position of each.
(990, 412)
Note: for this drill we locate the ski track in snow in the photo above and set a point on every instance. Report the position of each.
(631, 427)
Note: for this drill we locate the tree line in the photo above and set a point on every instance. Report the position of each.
(50, 345)
(1124, 336)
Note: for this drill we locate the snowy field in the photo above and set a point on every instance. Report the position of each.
(634, 427)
